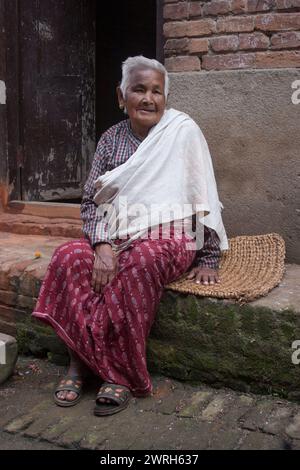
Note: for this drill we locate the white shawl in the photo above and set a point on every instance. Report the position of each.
(169, 177)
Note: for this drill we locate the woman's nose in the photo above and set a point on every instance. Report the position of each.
(148, 97)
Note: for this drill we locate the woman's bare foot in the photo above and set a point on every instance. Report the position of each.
(77, 370)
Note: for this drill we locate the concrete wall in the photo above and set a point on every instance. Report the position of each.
(253, 131)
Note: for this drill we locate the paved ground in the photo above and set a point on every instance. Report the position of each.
(177, 416)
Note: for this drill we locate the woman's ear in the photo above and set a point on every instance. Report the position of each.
(120, 98)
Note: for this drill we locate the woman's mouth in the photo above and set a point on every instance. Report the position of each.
(146, 110)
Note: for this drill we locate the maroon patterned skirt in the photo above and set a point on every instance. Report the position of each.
(108, 331)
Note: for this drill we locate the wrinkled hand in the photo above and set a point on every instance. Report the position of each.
(105, 266)
(204, 276)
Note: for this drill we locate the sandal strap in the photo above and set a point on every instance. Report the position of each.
(73, 387)
(109, 391)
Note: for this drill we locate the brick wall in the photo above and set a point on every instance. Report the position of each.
(231, 34)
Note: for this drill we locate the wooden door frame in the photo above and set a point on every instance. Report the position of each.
(3, 111)
(14, 118)
(159, 31)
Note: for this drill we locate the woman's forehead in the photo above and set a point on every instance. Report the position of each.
(147, 76)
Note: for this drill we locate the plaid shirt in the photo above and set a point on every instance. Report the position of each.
(115, 146)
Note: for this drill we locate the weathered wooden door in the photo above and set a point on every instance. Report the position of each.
(57, 97)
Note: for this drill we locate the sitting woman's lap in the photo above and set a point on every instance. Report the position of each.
(168, 257)
(109, 330)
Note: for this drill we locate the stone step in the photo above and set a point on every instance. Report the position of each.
(50, 210)
(31, 224)
(8, 356)
(250, 347)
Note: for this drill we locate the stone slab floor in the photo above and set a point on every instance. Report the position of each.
(177, 416)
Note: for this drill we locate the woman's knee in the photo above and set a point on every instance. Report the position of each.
(147, 255)
(71, 251)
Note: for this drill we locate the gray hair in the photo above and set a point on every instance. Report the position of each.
(140, 62)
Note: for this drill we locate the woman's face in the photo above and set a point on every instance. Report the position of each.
(145, 100)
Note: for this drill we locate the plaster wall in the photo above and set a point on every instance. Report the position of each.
(251, 120)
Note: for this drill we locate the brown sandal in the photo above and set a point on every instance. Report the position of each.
(119, 395)
(75, 386)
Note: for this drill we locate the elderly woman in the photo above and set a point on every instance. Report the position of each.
(150, 173)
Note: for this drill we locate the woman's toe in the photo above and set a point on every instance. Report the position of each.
(104, 400)
(61, 395)
(71, 396)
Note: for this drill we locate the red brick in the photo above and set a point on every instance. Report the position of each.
(28, 285)
(278, 22)
(176, 46)
(254, 41)
(198, 45)
(236, 24)
(238, 6)
(66, 231)
(175, 29)
(182, 64)
(26, 302)
(22, 265)
(285, 40)
(195, 9)
(8, 297)
(286, 4)
(259, 5)
(4, 279)
(200, 27)
(176, 11)
(216, 7)
(8, 316)
(228, 61)
(224, 43)
(277, 59)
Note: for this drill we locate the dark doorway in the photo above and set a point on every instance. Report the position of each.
(128, 30)
(65, 63)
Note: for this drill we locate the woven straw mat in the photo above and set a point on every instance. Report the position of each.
(250, 268)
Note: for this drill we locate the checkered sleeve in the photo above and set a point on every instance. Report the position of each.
(210, 253)
(94, 227)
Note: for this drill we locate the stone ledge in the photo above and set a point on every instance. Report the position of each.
(8, 356)
(248, 348)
